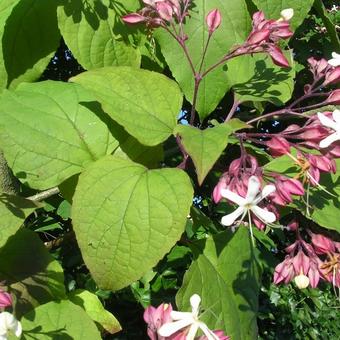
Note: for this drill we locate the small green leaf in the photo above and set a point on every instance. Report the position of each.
(226, 276)
(206, 146)
(13, 212)
(95, 34)
(145, 103)
(50, 131)
(58, 320)
(32, 274)
(126, 218)
(95, 310)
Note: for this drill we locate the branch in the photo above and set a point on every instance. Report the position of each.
(44, 194)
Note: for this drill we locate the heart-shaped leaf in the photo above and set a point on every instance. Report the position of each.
(145, 103)
(126, 218)
(50, 131)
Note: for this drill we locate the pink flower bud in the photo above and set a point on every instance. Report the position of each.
(155, 318)
(292, 226)
(213, 20)
(217, 190)
(277, 56)
(258, 36)
(322, 65)
(284, 271)
(322, 244)
(278, 146)
(322, 163)
(313, 273)
(5, 299)
(332, 76)
(334, 97)
(301, 262)
(133, 18)
(164, 10)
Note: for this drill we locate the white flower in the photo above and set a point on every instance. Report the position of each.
(187, 319)
(8, 323)
(335, 61)
(250, 203)
(287, 14)
(333, 124)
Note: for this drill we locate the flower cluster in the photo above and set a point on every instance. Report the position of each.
(307, 263)
(157, 13)
(166, 324)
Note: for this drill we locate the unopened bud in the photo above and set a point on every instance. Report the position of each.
(277, 56)
(334, 97)
(133, 18)
(332, 76)
(164, 10)
(278, 146)
(213, 20)
(287, 14)
(258, 36)
(301, 281)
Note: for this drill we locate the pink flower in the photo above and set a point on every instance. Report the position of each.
(222, 184)
(285, 188)
(332, 76)
(322, 244)
(155, 318)
(213, 20)
(334, 97)
(278, 146)
(5, 299)
(278, 57)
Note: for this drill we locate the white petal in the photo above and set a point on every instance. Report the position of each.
(3, 337)
(180, 315)
(287, 14)
(195, 301)
(335, 55)
(264, 215)
(229, 219)
(266, 191)
(253, 189)
(336, 60)
(208, 333)
(232, 196)
(18, 329)
(325, 143)
(325, 121)
(172, 327)
(336, 116)
(192, 331)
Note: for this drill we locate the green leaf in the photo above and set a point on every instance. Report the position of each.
(324, 208)
(257, 78)
(95, 310)
(272, 9)
(58, 320)
(50, 131)
(226, 276)
(30, 37)
(205, 146)
(95, 34)
(145, 103)
(126, 218)
(6, 7)
(233, 30)
(13, 212)
(32, 274)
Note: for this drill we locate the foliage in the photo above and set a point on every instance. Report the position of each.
(135, 149)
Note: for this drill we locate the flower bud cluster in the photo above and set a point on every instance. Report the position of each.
(265, 35)
(307, 264)
(156, 13)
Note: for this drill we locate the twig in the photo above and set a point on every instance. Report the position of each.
(44, 194)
